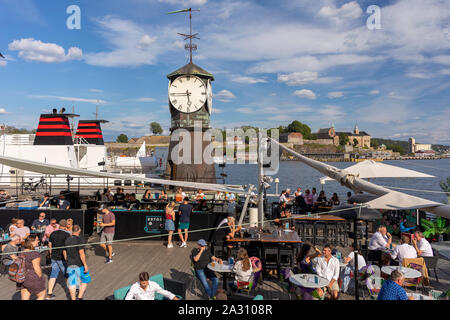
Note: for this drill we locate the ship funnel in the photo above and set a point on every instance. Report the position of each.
(54, 129)
(91, 131)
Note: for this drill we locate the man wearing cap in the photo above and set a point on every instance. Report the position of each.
(201, 257)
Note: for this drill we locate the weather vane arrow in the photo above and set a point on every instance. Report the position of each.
(191, 47)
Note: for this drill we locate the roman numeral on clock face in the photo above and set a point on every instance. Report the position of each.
(174, 102)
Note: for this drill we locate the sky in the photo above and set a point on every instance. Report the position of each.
(321, 62)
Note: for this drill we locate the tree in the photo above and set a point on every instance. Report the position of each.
(122, 138)
(155, 127)
(355, 142)
(343, 139)
(375, 144)
(297, 126)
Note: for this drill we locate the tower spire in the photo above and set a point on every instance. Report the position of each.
(189, 46)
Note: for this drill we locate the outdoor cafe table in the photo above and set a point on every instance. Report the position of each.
(223, 268)
(306, 280)
(407, 272)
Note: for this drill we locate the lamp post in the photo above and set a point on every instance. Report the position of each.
(277, 181)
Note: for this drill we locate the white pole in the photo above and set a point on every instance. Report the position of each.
(260, 186)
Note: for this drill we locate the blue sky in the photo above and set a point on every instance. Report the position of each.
(273, 61)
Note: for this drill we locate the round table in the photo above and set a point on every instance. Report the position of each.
(407, 272)
(223, 268)
(307, 280)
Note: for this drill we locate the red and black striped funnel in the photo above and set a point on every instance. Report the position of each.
(91, 131)
(54, 129)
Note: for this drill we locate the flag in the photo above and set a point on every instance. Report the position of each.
(2, 56)
(184, 10)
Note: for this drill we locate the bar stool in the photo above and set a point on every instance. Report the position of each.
(332, 233)
(320, 235)
(308, 232)
(270, 259)
(286, 257)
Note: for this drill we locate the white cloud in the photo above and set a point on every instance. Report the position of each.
(331, 112)
(374, 92)
(3, 63)
(350, 10)
(71, 99)
(142, 100)
(305, 93)
(445, 72)
(36, 50)
(131, 44)
(419, 75)
(248, 80)
(298, 78)
(335, 94)
(224, 96)
(96, 90)
(442, 59)
(3, 111)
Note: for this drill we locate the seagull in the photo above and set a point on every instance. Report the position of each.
(2, 56)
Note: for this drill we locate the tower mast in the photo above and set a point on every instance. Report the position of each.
(191, 46)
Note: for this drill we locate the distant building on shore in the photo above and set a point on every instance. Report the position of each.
(414, 147)
(362, 137)
(292, 137)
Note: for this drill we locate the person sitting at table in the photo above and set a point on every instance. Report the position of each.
(147, 195)
(11, 228)
(348, 272)
(404, 250)
(381, 240)
(119, 197)
(69, 226)
(283, 197)
(200, 195)
(133, 203)
(10, 247)
(282, 214)
(107, 195)
(226, 230)
(63, 204)
(422, 246)
(163, 196)
(200, 258)
(180, 195)
(53, 226)
(298, 193)
(321, 201)
(257, 268)
(242, 269)
(202, 205)
(392, 289)
(219, 196)
(334, 201)
(45, 203)
(301, 204)
(328, 267)
(146, 290)
(304, 258)
(22, 231)
(40, 223)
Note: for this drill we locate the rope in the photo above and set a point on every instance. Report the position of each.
(165, 235)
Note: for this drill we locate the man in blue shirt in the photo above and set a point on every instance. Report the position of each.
(184, 211)
(392, 289)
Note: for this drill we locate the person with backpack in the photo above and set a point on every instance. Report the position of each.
(33, 281)
(12, 248)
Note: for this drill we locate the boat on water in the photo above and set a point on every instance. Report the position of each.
(55, 143)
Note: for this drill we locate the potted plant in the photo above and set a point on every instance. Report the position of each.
(446, 188)
(437, 228)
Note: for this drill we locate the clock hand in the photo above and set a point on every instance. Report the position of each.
(188, 94)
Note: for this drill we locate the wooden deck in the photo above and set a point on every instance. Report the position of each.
(132, 258)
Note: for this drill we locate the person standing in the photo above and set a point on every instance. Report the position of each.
(170, 222)
(53, 226)
(34, 279)
(184, 211)
(77, 268)
(58, 256)
(109, 226)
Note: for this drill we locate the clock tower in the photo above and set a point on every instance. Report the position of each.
(190, 104)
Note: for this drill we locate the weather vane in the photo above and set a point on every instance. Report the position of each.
(191, 46)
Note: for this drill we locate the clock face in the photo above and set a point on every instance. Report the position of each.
(187, 93)
(209, 95)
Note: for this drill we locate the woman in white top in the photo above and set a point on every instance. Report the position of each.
(145, 290)
(242, 268)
